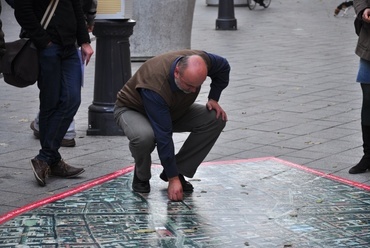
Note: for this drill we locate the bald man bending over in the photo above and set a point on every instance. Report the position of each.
(159, 100)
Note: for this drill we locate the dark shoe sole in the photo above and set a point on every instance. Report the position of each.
(186, 186)
(70, 176)
(356, 171)
(77, 174)
(139, 189)
(41, 182)
(140, 186)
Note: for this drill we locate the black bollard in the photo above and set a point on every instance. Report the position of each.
(226, 17)
(112, 70)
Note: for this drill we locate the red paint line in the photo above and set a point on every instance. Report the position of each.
(101, 180)
(301, 167)
(85, 186)
(322, 174)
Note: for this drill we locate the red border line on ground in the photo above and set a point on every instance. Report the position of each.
(101, 180)
(85, 186)
(301, 167)
(322, 174)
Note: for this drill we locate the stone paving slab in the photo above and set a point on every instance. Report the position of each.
(263, 202)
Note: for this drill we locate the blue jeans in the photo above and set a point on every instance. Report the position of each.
(60, 96)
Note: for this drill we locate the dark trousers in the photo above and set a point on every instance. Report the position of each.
(60, 97)
(204, 130)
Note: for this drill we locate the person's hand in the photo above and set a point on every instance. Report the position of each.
(174, 189)
(90, 28)
(213, 105)
(86, 52)
(366, 15)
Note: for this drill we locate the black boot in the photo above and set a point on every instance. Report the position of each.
(364, 163)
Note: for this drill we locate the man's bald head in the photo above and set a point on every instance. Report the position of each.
(191, 71)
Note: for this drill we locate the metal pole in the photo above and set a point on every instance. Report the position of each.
(226, 17)
(112, 70)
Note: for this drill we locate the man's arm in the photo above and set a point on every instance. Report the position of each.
(159, 116)
(219, 74)
(27, 19)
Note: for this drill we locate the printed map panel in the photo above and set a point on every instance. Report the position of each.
(263, 202)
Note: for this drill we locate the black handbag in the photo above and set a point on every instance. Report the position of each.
(20, 63)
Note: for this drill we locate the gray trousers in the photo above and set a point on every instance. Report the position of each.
(202, 124)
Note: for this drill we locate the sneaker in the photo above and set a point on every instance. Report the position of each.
(62, 169)
(64, 143)
(186, 186)
(40, 170)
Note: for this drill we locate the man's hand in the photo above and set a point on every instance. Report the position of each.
(86, 52)
(213, 105)
(366, 15)
(174, 189)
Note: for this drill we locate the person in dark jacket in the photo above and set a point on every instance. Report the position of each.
(89, 9)
(2, 41)
(362, 9)
(159, 100)
(59, 79)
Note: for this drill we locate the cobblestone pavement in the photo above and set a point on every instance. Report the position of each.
(292, 96)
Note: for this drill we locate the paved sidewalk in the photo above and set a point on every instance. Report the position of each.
(292, 95)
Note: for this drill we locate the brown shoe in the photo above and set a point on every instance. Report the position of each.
(64, 143)
(68, 143)
(36, 132)
(40, 170)
(62, 169)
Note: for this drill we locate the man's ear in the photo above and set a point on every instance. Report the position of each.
(176, 72)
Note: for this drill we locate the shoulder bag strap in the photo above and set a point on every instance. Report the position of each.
(49, 13)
